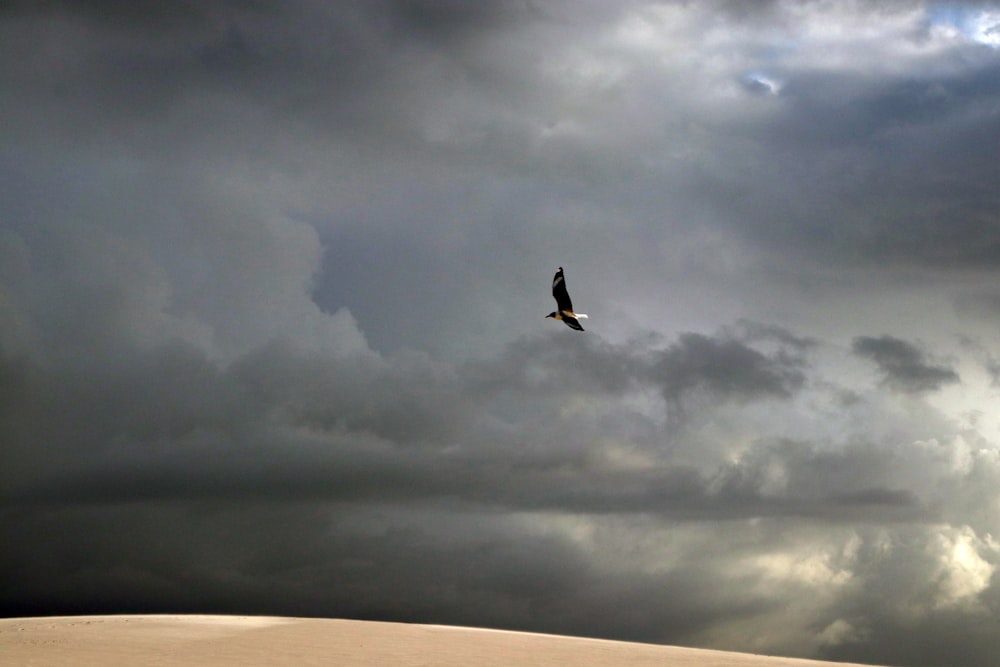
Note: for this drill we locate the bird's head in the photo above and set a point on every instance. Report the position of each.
(552, 314)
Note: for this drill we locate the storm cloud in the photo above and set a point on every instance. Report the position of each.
(273, 279)
(903, 364)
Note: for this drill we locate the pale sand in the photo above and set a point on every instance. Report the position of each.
(249, 640)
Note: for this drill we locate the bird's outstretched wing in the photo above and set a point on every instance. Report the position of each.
(572, 322)
(561, 295)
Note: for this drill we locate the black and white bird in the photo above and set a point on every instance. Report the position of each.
(563, 303)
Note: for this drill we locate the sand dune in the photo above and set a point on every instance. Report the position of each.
(252, 640)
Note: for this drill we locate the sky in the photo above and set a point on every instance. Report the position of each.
(273, 286)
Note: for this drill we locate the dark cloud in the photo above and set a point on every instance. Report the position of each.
(449, 19)
(291, 425)
(292, 482)
(726, 369)
(903, 364)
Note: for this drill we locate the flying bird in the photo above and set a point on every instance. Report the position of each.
(563, 303)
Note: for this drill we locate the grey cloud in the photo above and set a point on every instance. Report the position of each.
(297, 426)
(451, 20)
(844, 141)
(993, 368)
(726, 368)
(299, 485)
(903, 364)
(908, 564)
(801, 479)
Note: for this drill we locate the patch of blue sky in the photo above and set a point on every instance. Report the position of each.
(761, 82)
(978, 23)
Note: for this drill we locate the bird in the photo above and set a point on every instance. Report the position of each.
(563, 303)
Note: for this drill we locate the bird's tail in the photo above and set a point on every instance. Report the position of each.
(581, 316)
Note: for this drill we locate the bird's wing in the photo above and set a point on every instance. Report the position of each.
(572, 323)
(560, 293)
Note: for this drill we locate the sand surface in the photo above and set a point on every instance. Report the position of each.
(253, 640)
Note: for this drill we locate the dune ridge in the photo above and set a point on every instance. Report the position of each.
(266, 640)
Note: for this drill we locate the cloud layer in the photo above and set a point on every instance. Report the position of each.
(273, 281)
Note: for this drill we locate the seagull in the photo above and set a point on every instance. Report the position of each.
(563, 303)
